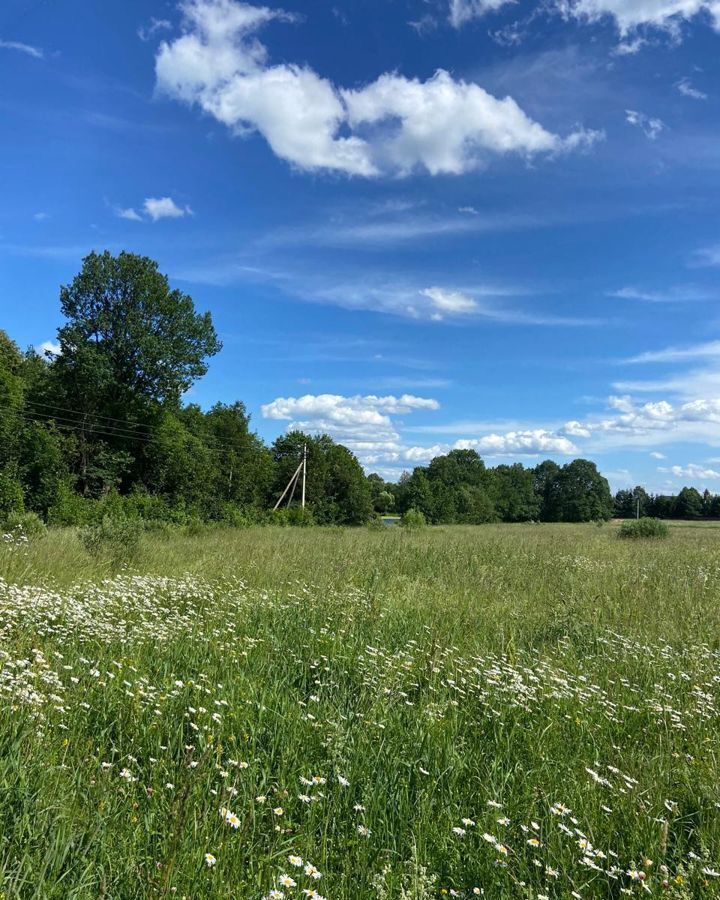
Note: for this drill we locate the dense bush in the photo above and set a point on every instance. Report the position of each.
(28, 523)
(643, 528)
(413, 519)
(118, 539)
(11, 496)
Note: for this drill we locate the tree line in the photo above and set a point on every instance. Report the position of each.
(689, 503)
(100, 427)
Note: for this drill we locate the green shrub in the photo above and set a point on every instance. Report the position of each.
(30, 524)
(235, 516)
(300, 517)
(413, 519)
(118, 539)
(195, 527)
(70, 508)
(643, 528)
(11, 496)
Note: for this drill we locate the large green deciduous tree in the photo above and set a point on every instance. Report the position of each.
(129, 333)
(130, 347)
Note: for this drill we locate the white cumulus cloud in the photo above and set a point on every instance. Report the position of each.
(362, 423)
(394, 125)
(163, 208)
(632, 14)
(576, 429)
(691, 471)
(519, 442)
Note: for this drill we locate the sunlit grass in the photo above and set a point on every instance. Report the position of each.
(523, 711)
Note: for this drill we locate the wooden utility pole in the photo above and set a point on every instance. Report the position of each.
(304, 473)
(292, 484)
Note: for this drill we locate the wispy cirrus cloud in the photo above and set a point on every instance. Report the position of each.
(650, 126)
(20, 47)
(463, 11)
(673, 294)
(691, 352)
(687, 90)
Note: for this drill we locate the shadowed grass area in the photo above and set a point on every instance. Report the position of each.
(524, 711)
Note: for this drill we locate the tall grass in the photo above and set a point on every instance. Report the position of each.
(514, 711)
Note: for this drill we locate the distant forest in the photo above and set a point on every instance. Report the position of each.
(99, 429)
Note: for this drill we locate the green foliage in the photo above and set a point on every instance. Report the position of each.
(70, 508)
(42, 465)
(645, 527)
(689, 504)
(11, 496)
(514, 494)
(130, 332)
(627, 503)
(28, 523)
(337, 491)
(580, 494)
(413, 519)
(118, 539)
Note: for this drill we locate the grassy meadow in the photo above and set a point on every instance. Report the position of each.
(500, 711)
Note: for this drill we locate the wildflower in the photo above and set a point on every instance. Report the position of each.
(287, 881)
(295, 861)
(312, 872)
(232, 820)
(210, 860)
(343, 781)
(467, 822)
(278, 811)
(459, 831)
(533, 842)
(363, 831)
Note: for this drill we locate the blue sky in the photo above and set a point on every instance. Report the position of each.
(418, 224)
